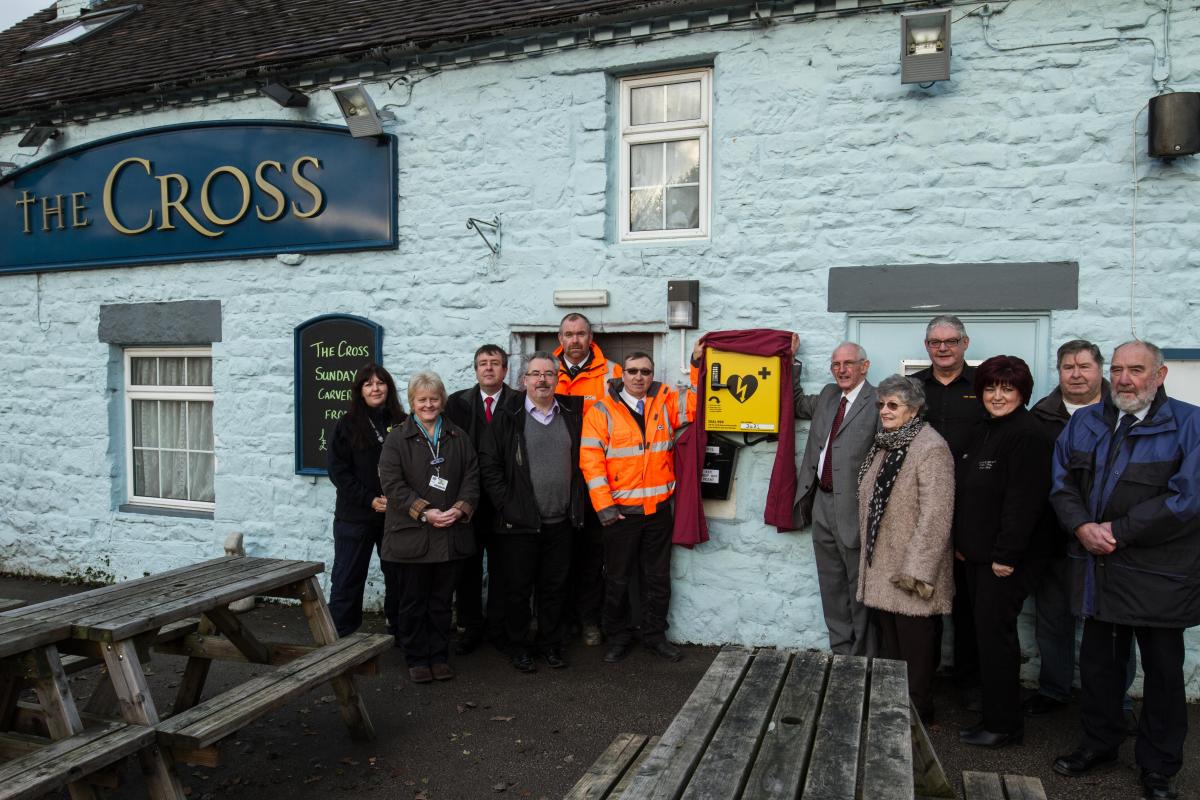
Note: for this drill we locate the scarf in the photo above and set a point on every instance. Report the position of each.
(895, 446)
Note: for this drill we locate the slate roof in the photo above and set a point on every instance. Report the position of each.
(171, 44)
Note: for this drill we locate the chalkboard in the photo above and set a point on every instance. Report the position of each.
(329, 350)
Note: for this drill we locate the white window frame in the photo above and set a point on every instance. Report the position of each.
(184, 393)
(667, 132)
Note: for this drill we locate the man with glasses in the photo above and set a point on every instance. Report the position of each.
(844, 424)
(626, 458)
(953, 410)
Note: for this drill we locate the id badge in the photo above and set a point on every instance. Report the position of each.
(438, 483)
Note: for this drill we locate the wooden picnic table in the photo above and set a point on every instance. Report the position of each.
(775, 724)
(186, 612)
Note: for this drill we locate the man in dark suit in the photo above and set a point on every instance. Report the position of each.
(844, 423)
(472, 409)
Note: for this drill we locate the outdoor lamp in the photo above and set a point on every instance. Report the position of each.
(38, 134)
(286, 96)
(683, 304)
(925, 46)
(359, 110)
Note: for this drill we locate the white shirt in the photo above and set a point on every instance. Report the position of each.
(1072, 408)
(1140, 415)
(850, 396)
(632, 401)
(483, 396)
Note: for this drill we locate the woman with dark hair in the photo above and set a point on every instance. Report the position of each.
(353, 462)
(1003, 525)
(905, 507)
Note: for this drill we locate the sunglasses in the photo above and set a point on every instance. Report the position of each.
(890, 405)
(638, 371)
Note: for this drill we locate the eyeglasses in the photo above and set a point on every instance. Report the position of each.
(638, 371)
(837, 365)
(547, 374)
(937, 344)
(890, 405)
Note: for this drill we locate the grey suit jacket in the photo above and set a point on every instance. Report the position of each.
(847, 450)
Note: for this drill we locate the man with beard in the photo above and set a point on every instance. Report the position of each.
(1125, 484)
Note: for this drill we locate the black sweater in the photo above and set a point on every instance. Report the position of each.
(1002, 511)
(355, 471)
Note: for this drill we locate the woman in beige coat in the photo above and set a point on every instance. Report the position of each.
(905, 511)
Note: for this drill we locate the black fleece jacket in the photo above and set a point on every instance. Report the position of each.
(355, 471)
(1002, 512)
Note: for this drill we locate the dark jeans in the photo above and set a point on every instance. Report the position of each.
(468, 591)
(642, 544)
(1103, 666)
(536, 567)
(912, 640)
(996, 603)
(586, 584)
(1056, 634)
(353, 543)
(426, 590)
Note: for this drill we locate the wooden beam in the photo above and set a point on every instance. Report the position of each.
(888, 765)
(929, 779)
(320, 623)
(833, 770)
(784, 754)
(200, 756)
(606, 771)
(231, 626)
(218, 648)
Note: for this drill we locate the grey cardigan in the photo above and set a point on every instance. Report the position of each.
(914, 535)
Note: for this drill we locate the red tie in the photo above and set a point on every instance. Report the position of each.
(487, 409)
(827, 467)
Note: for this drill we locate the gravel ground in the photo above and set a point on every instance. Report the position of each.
(494, 732)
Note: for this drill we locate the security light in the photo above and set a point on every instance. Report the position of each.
(286, 96)
(683, 304)
(38, 134)
(925, 46)
(359, 110)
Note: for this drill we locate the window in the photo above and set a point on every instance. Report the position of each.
(169, 427)
(86, 25)
(665, 163)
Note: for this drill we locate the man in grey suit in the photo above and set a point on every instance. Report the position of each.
(844, 423)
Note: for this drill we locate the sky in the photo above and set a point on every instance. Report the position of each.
(13, 11)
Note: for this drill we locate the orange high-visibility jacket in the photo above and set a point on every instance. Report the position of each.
(591, 381)
(624, 470)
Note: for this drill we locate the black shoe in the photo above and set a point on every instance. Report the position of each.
(1131, 723)
(1081, 761)
(972, 699)
(468, 642)
(615, 653)
(523, 662)
(1156, 786)
(1039, 705)
(554, 658)
(985, 738)
(665, 649)
(971, 730)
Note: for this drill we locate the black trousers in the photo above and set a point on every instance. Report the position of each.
(642, 544)
(966, 653)
(586, 583)
(1103, 664)
(353, 543)
(996, 603)
(536, 565)
(913, 640)
(468, 591)
(426, 592)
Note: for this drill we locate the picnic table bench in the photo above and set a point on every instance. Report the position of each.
(776, 724)
(184, 612)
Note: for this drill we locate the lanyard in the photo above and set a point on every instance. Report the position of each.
(434, 445)
(378, 435)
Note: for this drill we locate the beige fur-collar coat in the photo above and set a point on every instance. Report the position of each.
(914, 535)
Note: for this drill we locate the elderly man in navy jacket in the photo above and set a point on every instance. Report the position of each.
(1127, 484)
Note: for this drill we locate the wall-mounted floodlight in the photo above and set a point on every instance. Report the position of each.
(925, 46)
(38, 134)
(359, 110)
(683, 304)
(286, 96)
(580, 298)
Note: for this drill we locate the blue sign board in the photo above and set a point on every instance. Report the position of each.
(200, 192)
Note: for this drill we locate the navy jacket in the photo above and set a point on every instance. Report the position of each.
(1151, 495)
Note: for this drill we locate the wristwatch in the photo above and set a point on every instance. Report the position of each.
(423, 518)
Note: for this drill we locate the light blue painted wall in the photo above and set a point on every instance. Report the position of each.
(820, 159)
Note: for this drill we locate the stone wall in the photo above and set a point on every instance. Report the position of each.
(820, 159)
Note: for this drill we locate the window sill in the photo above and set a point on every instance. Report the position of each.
(154, 511)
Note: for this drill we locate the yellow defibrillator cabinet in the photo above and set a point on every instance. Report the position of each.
(741, 392)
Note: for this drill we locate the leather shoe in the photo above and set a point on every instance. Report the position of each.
(442, 671)
(420, 674)
(1157, 786)
(523, 662)
(665, 649)
(985, 738)
(1081, 761)
(615, 653)
(1039, 705)
(554, 658)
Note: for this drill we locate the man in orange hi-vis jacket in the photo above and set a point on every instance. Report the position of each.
(626, 458)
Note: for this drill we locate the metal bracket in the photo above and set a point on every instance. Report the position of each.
(473, 224)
